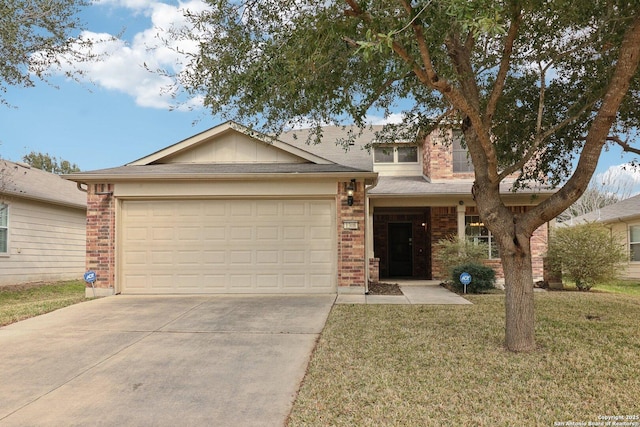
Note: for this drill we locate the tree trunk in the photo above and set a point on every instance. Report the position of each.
(520, 316)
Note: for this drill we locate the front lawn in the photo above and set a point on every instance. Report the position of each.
(620, 287)
(445, 365)
(24, 301)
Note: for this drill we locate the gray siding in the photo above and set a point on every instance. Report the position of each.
(46, 242)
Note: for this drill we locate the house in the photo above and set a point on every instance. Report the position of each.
(623, 218)
(42, 226)
(231, 210)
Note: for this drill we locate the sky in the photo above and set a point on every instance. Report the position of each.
(121, 112)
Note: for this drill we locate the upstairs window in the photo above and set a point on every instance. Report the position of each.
(476, 232)
(461, 160)
(4, 228)
(391, 154)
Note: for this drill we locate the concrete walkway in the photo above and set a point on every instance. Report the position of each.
(415, 292)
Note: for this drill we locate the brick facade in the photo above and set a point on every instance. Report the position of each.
(352, 263)
(444, 224)
(101, 222)
(437, 160)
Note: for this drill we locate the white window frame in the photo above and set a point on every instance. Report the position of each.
(488, 238)
(632, 243)
(4, 210)
(393, 149)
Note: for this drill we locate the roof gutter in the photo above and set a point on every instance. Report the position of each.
(369, 177)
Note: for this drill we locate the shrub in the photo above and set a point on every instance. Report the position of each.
(587, 254)
(453, 251)
(483, 278)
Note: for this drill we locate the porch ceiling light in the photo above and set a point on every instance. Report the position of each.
(350, 189)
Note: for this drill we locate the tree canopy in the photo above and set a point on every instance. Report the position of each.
(49, 163)
(537, 87)
(35, 35)
(533, 73)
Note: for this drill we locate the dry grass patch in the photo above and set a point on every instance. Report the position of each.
(23, 301)
(445, 365)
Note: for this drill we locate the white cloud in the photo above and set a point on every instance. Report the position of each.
(125, 66)
(623, 179)
(393, 118)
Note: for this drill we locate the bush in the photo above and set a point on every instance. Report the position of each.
(483, 278)
(454, 251)
(587, 254)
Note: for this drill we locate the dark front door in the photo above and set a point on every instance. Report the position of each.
(400, 250)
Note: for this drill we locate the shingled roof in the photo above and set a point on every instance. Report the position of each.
(620, 211)
(23, 181)
(331, 147)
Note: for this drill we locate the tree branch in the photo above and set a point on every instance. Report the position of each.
(429, 77)
(539, 138)
(624, 144)
(626, 67)
(355, 8)
(501, 77)
(382, 88)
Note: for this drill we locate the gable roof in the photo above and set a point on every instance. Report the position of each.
(253, 155)
(623, 210)
(23, 181)
(217, 131)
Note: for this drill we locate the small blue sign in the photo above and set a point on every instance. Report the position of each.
(90, 276)
(465, 278)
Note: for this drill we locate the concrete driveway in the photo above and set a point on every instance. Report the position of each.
(160, 361)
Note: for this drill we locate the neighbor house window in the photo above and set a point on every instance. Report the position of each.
(461, 160)
(391, 154)
(4, 228)
(634, 242)
(475, 231)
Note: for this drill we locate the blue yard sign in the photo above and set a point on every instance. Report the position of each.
(465, 279)
(90, 276)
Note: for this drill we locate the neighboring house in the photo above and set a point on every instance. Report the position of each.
(42, 226)
(623, 218)
(233, 211)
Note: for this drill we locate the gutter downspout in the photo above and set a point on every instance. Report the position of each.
(368, 232)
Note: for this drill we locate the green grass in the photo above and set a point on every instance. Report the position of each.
(21, 302)
(381, 365)
(620, 287)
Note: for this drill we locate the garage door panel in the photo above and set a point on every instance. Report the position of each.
(228, 246)
(241, 233)
(268, 257)
(271, 233)
(215, 233)
(267, 281)
(294, 233)
(268, 209)
(214, 257)
(241, 209)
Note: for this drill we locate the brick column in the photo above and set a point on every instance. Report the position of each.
(101, 221)
(374, 270)
(352, 264)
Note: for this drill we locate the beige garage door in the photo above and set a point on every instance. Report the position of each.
(228, 246)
